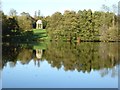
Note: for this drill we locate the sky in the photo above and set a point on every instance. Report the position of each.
(48, 7)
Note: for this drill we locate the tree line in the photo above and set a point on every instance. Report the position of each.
(83, 25)
(78, 26)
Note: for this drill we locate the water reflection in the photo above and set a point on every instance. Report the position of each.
(83, 57)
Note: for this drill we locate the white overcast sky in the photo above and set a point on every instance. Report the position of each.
(48, 7)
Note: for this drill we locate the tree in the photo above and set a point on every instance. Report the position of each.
(35, 15)
(9, 25)
(67, 25)
(13, 13)
(109, 24)
(5, 30)
(105, 8)
(38, 13)
(25, 14)
(114, 7)
(54, 25)
(25, 21)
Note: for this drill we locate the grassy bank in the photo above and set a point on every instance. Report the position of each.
(29, 36)
(42, 35)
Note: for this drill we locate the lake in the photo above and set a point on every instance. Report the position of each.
(60, 65)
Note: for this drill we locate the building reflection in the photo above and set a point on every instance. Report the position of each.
(38, 54)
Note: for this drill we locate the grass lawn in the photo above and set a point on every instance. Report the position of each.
(39, 31)
(40, 34)
(32, 35)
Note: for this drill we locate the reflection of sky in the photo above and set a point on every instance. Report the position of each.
(31, 76)
(0, 79)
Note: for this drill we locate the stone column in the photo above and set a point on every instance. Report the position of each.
(36, 25)
(41, 26)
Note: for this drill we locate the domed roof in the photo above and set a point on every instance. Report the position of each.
(39, 22)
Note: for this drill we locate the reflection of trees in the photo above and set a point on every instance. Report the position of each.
(82, 57)
(0, 64)
(10, 53)
(109, 54)
(109, 51)
(22, 52)
(0, 75)
(25, 55)
(106, 71)
(14, 52)
(12, 64)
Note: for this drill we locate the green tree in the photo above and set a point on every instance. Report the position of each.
(25, 22)
(70, 24)
(9, 25)
(13, 13)
(53, 25)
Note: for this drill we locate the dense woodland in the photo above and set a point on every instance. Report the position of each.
(83, 25)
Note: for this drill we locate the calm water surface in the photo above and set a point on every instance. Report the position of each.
(60, 65)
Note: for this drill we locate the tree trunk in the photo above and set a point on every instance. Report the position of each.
(113, 21)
